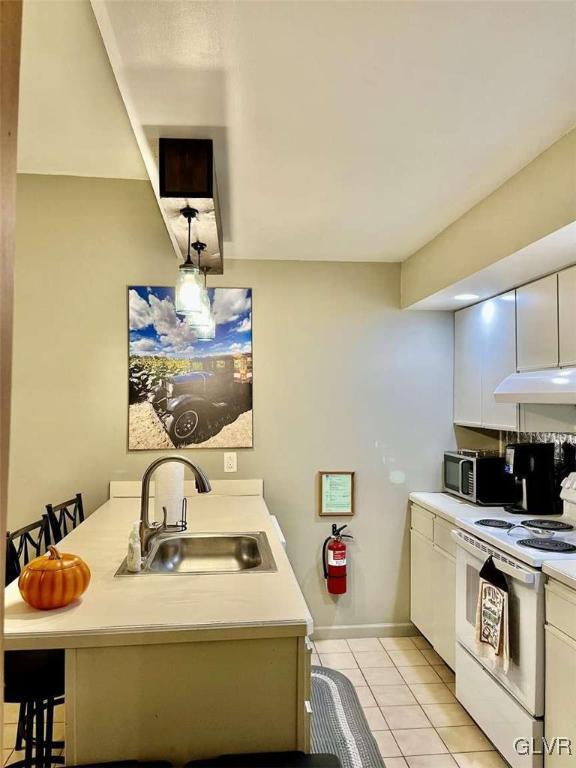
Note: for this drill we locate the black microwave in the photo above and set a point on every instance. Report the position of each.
(479, 477)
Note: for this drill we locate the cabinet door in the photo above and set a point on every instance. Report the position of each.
(304, 692)
(444, 580)
(567, 315)
(467, 367)
(537, 324)
(498, 331)
(560, 720)
(421, 585)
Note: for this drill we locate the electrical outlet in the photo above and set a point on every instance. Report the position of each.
(230, 462)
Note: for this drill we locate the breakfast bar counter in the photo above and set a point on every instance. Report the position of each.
(165, 664)
(149, 608)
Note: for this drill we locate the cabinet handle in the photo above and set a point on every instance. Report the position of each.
(308, 707)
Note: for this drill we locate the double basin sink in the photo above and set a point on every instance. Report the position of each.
(205, 553)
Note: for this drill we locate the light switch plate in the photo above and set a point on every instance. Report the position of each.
(230, 462)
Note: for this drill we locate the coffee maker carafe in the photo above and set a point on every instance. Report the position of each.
(532, 465)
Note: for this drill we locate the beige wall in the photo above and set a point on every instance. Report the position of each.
(343, 380)
(538, 200)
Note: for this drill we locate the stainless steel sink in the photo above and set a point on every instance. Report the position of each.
(197, 553)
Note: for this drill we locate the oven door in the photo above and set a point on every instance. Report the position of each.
(524, 679)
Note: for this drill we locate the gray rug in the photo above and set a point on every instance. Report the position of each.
(338, 723)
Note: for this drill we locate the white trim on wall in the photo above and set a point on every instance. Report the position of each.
(344, 631)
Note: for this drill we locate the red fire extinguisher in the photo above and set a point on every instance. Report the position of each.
(334, 560)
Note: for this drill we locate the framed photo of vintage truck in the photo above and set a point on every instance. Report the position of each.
(185, 392)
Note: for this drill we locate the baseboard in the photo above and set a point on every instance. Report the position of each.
(344, 631)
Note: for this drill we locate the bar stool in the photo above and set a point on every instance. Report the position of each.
(64, 517)
(33, 679)
(126, 764)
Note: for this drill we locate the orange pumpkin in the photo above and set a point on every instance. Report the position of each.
(53, 580)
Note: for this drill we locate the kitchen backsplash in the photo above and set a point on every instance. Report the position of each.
(482, 438)
(558, 438)
(476, 439)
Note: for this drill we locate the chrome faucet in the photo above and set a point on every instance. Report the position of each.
(147, 529)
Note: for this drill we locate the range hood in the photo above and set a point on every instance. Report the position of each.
(555, 386)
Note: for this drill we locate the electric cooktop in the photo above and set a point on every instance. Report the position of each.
(488, 522)
(540, 524)
(547, 525)
(531, 540)
(548, 545)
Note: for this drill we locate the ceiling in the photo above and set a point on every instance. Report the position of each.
(343, 130)
(72, 120)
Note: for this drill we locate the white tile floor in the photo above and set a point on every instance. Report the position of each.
(10, 755)
(408, 697)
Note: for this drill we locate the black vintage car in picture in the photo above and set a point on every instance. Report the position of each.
(183, 391)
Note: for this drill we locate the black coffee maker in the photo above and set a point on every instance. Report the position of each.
(532, 465)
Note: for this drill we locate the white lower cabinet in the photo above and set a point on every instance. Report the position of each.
(433, 582)
(444, 625)
(560, 708)
(421, 593)
(560, 700)
(181, 700)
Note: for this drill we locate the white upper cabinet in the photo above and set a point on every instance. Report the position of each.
(498, 329)
(567, 315)
(467, 367)
(537, 324)
(484, 354)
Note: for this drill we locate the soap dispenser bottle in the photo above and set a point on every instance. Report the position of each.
(134, 558)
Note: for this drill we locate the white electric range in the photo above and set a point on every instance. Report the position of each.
(508, 701)
(530, 539)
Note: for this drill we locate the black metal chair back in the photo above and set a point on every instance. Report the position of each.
(33, 679)
(25, 544)
(65, 517)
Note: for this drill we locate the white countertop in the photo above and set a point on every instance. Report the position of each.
(563, 571)
(164, 608)
(451, 508)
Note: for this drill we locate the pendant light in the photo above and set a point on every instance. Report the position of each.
(203, 324)
(205, 327)
(190, 288)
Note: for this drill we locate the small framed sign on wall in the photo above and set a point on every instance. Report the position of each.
(336, 493)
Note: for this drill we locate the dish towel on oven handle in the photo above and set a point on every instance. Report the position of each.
(492, 627)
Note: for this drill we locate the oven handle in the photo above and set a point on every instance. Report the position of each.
(509, 568)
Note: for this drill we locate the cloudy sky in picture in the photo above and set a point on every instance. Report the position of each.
(156, 329)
